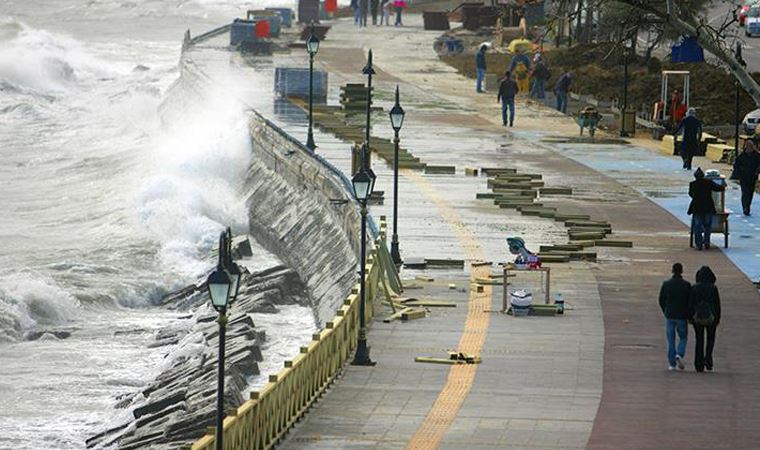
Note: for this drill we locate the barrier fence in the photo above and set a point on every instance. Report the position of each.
(261, 421)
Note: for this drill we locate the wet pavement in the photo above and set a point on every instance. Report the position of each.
(594, 377)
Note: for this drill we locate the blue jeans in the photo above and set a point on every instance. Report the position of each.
(701, 225)
(508, 103)
(481, 76)
(357, 16)
(562, 101)
(538, 89)
(673, 326)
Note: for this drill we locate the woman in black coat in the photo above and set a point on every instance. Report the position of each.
(747, 166)
(704, 308)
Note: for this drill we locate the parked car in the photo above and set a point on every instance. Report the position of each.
(751, 121)
(752, 23)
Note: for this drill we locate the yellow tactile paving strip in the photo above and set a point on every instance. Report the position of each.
(446, 407)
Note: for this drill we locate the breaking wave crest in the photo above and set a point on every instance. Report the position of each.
(28, 301)
(43, 62)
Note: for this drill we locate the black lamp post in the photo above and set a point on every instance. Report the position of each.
(369, 71)
(312, 46)
(363, 183)
(626, 53)
(223, 284)
(397, 121)
(740, 60)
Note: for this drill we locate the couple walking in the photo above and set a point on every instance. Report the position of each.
(682, 303)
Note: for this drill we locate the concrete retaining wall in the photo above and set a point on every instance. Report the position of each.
(300, 207)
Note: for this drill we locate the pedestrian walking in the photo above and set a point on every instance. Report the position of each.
(561, 89)
(385, 7)
(363, 7)
(507, 92)
(704, 306)
(373, 4)
(702, 208)
(674, 302)
(357, 12)
(480, 67)
(539, 75)
(746, 168)
(692, 136)
(521, 68)
(399, 5)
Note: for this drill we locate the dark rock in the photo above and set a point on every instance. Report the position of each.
(159, 404)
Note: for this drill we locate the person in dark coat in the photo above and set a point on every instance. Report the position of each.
(373, 4)
(507, 92)
(674, 302)
(363, 10)
(702, 208)
(480, 67)
(704, 297)
(561, 89)
(692, 136)
(747, 167)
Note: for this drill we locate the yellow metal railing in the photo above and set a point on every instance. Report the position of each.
(261, 421)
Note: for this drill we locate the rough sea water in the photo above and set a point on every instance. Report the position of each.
(104, 207)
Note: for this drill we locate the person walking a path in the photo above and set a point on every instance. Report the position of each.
(480, 67)
(747, 167)
(363, 9)
(399, 5)
(385, 6)
(704, 305)
(507, 92)
(540, 74)
(357, 12)
(692, 136)
(561, 88)
(674, 302)
(702, 208)
(373, 4)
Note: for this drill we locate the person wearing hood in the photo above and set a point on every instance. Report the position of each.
(674, 302)
(692, 136)
(704, 308)
(480, 67)
(702, 208)
(747, 166)
(561, 89)
(540, 74)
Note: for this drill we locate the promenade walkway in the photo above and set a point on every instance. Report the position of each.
(593, 378)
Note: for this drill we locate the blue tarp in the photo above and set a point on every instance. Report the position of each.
(687, 49)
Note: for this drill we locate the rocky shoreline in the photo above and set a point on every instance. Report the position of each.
(176, 407)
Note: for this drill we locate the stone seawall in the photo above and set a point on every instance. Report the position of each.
(300, 208)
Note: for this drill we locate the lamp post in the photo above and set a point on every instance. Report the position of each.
(740, 60)
(397, 121)
(312, 46)
(363, 183)
(223, 284)
(369, 71)
(626, 53)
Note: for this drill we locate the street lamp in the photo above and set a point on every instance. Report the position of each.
(741, 61)
(397, 121)
(628, 44)
(363, 183)
(369, 71)
(312, 46)
(223, 284)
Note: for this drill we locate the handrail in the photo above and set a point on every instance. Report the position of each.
(261, 421)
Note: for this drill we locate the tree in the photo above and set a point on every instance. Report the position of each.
(687, 17)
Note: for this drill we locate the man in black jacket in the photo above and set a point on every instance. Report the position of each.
(747, 166)
(702, 208)
(692, 135)
(674, 302)
(704, 302)
(507, 92)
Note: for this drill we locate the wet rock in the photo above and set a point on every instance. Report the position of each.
(176, 407)
(46, 335)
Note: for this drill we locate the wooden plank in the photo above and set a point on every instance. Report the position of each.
(613, 243)
(412, 314)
